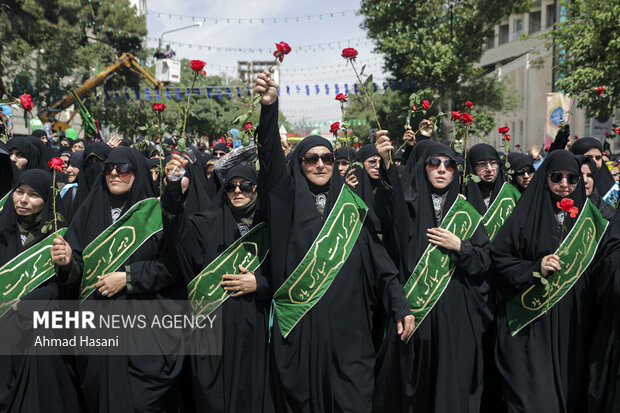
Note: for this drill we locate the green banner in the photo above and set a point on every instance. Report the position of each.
(119, 241)
(576, 253)
(26, 272)
(327, 254)
(434, 269)
(3, 200)
(205, 291)
(500, 209)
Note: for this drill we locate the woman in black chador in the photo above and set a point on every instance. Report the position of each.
(543, 367)
(120, 383)
(589, 174)
(234, 381)
(33, 384)
(326, 362)
(592, 147)
(604, 356)
(440, 369)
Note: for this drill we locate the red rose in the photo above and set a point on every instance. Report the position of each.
(342, 97)
(507, 137)
(600, 90)
(349, 53)
(283, 48)
(26, 102)
(469, 104)
(576, 137)
(197, 65)
(503, 129)
(573, 212)
(426, 104)
(56, 164)
(334, 128)
(606, 133)
(517, 146)
(565, 204)
(456, 115)
(159, 107)
(247, 126)
(229, 144)
(466, 118)
(414, 108)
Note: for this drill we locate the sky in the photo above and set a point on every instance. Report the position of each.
(316, 44)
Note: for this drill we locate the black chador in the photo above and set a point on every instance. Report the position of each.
(234, 381)
(123, 383)
(34, 383)
(326, 362)
(440, 369)
(543, 367)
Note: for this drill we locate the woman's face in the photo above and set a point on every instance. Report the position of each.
(317, 165)
(18, 159)
(27, 201)
(588, 179)
(440, 175)
(524, 176)
(72, 171)
(239, 191)
(118, 178)
(78, 146)
(595, 154)
(372, 166)
(563, 187)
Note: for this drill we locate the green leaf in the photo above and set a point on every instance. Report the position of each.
(362, 70)
(257, 98)
(368, 83)
(507, 164)
(475, 178)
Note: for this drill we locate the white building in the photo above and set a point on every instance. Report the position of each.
(514, 60)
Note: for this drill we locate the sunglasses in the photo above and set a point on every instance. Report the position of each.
(556, 178)
(244, 186)
(597, 157)
(434, 162)
(122, 169)
(313, 158)
(522, 172)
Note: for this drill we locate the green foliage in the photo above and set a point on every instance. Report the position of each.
(45, 44)
(587, 46)
(437, 45)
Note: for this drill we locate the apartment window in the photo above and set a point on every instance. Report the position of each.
(550, 15)
(535, 22)
(518, 29)
(491, 42)
(503, 34)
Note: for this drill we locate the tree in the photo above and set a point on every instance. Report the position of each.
(438, 44)
(587, 46)
(47, 44)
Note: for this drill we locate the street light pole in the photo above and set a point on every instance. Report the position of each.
(161, 38)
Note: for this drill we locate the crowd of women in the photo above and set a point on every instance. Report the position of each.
(421, 282)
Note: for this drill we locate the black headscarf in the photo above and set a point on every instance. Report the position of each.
(300, 220)
(90, 172)
(197, 197)
(221, 147)
(82, 141)
(10, 242)
(421, 211)
(345, 153)
(408, 173)
(474, 192)
(518, 161)
(93, 216)
(76, 159)
(607, 211)
(366, 152)
(532, 229)
(604, 180)
(30, 151)
(7, 171)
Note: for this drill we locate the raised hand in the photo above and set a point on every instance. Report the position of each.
(61, 251)
(267, 86)
(384, 147)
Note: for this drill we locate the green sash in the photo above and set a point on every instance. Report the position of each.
(114, 246)
(327, 254)
(500, 209)
(3, 200)
(26, 272)
(205, 291)
(576, 253)
(434, 269)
